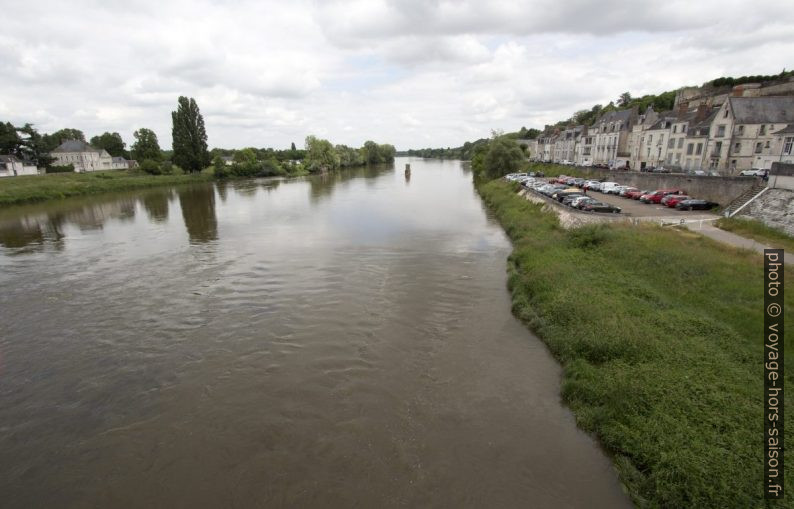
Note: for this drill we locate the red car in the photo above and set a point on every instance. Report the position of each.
(671, 200)
(635, 195)
(656, 196)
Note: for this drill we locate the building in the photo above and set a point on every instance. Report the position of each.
(11, 166)
(744, 129)
(85, 158)
(612, 135)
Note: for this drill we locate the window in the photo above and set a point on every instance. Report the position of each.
(675, 129)
(661, 140)
(670, 143)
(758, 148)
(718, 148)
(683, 128)
(680, 142)
(720, 131)
(737, 148)
(766, 145)
(700, 149)
(726, 113)
(762, 131)
(690, 148)
(669, 158)
(787, 146)
(740, 130)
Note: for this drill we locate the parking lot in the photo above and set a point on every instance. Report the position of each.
(635, 208)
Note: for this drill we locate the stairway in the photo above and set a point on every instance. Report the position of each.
(744, 197)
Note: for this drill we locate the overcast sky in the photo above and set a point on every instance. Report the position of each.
(411, 73)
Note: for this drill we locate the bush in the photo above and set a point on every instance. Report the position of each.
(68, 168)
(151, 167)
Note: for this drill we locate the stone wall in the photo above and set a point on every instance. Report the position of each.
(774, 208)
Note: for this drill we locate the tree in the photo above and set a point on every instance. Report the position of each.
(371, 152)
(9, 139)
(111, 142)
(146, 145)
(51, 141)
(189, 136)
(503, 156)
(33, 146)
(624, 99)
(320, 155)
(292, 146)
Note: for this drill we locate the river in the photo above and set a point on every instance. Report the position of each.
(333, 341)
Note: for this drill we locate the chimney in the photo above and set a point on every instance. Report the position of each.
(737, 91)
(682, 107)
(702, 112)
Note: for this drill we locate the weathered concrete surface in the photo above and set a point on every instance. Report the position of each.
(775, 208)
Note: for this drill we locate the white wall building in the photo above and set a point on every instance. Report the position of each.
(84, 157)
(11, 166)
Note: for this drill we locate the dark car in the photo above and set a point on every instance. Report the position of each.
(600, 207)
(568, 198)
(696, 205)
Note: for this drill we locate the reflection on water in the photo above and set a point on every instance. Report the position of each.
(156, 204)
(198, 211)
(348, 343)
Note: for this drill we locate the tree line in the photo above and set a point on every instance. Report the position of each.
(190, 151)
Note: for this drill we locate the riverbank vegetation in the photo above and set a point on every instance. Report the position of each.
(659, 333)
(756, 230)
(37, 188)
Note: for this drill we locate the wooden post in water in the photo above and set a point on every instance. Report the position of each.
(407, 171)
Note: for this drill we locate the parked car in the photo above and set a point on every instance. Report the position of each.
(562, 193)
(580, 201)
(626, 190)
(569, 198)
(656, 196)
(608, 187)
(755, 172)
(635, 195)
(597, 206)
(592, 185)
(693, 204)
(660, 169)
(671, 199)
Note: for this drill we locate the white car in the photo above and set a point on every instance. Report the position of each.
(608, 187)
(752, 173)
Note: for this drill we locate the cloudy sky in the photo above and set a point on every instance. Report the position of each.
(408, 72)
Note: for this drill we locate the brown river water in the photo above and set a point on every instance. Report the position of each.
(334, 341)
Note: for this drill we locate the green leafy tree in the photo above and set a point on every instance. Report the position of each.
(320, 155)
(189, 136)
(51, 141)
(624, 100)
(111, 142)
(371, 152)
(9, 138)
(387, 152)
(292, 146)
(146, 145)
(502, 156)
(221, 169)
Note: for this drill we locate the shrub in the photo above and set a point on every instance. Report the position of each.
(68, 168)
(151, 167)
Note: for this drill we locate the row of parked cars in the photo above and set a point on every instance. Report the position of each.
(573, 191)
(673, 198)
(567, 194)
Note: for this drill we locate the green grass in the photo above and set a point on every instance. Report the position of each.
(757, 230)
(37, 188)
(660, 335)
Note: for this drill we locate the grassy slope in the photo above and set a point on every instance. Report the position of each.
(757, 230)
(660, 335)
(35, 188)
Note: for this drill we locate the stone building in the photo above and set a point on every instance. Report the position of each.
(85, 158)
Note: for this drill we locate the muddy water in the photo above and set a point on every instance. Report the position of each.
(338, 341)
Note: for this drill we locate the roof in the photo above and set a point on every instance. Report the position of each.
(75, 146)
(8, 159)
(119, 159)
(615, 116)
(759, 110)
(788, 130)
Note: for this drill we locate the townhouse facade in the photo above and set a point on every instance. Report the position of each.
(739, 133)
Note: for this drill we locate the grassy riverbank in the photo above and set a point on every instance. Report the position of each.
(757, 230)
(37, 188)
(660, 335)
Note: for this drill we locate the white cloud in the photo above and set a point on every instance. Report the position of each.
(409, 72)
